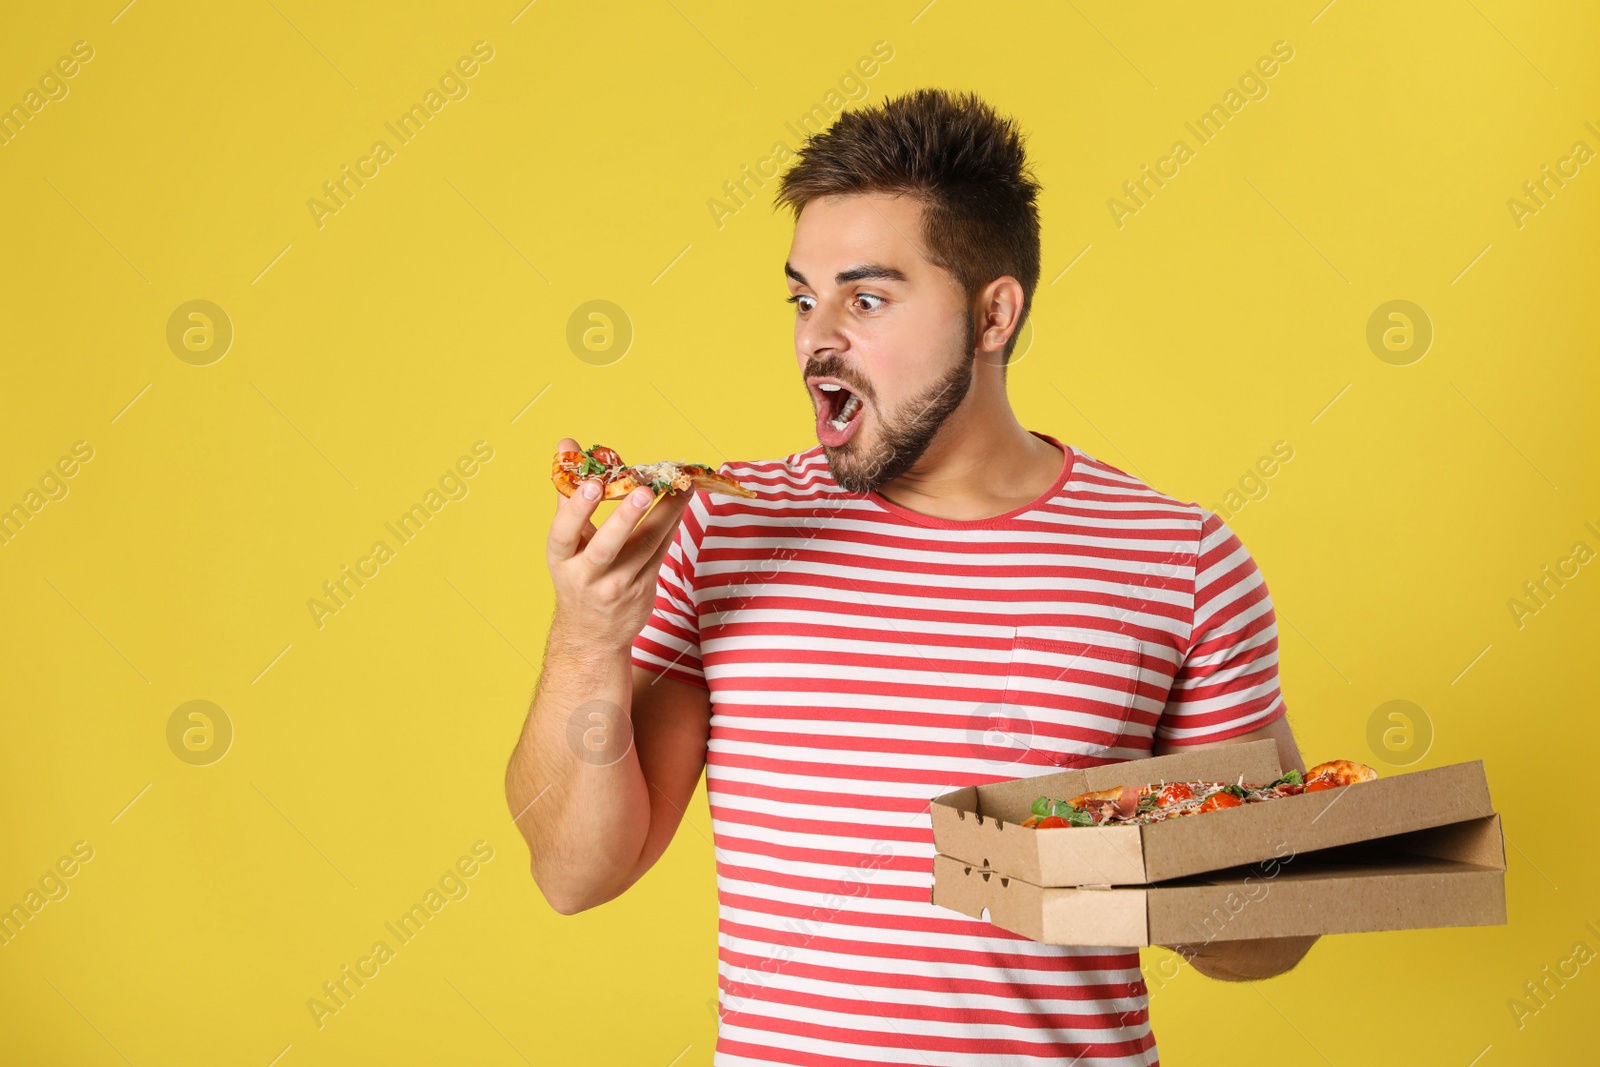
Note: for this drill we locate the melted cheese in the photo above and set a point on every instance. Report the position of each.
(667, 470)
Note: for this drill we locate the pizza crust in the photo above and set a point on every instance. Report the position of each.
(1341, 772)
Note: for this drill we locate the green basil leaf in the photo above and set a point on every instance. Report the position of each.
(1074, 815)
(1041, 807)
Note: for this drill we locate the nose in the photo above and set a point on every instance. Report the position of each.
(818, 334)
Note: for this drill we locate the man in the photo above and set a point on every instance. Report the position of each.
(931, 597)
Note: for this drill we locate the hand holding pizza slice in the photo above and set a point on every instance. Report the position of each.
(606, 572)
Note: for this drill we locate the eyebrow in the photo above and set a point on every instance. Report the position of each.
(865, 270)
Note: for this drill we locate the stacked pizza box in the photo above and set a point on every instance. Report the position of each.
(1406, 851)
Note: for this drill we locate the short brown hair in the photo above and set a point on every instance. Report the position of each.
(962, 160)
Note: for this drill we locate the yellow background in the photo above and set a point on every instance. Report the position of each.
(372, 352)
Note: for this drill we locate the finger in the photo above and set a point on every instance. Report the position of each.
(567, 533)
(607, 543)
(570, 533)
(652, 565)
(656, 528)
(585, 535)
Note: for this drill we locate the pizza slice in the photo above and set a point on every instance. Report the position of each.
(619, 479)
(1337, 772)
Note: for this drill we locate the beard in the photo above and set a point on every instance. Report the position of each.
(904, 435)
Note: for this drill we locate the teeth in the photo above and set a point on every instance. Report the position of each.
(840, 421)
(828, 388)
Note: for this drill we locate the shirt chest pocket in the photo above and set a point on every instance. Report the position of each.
(1074, 688)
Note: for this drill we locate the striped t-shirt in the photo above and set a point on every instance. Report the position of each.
(863, 658)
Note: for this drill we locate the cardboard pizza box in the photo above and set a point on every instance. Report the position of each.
(1450, 875)
(979, 825)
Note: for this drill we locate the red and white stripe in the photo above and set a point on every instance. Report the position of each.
(861, 659)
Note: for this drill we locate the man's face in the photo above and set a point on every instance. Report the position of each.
(884, 337)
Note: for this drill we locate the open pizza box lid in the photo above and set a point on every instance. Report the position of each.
(1445, 876)
(980, 825)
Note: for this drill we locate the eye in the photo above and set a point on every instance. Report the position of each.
(795, 300)
(869, 296)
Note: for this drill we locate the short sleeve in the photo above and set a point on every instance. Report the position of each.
(1227, 680)
(670, 641)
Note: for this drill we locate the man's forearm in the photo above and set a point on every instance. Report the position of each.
(573, 783)
(1247, 959)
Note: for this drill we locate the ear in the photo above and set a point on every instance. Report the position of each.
(997, 313)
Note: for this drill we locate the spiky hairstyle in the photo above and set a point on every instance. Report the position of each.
(955, 154)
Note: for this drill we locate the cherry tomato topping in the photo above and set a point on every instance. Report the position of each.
(1220, 800)
(1316, 785)
(1049, 822)
(605, 455)
(1174, 793)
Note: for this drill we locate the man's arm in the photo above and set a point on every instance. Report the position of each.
(593, 826)
(1251, 958)
(606, 761)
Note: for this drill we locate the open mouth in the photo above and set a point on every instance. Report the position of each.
(842, 403)
(838, 411)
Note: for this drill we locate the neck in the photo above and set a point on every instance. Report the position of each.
(956, 478)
